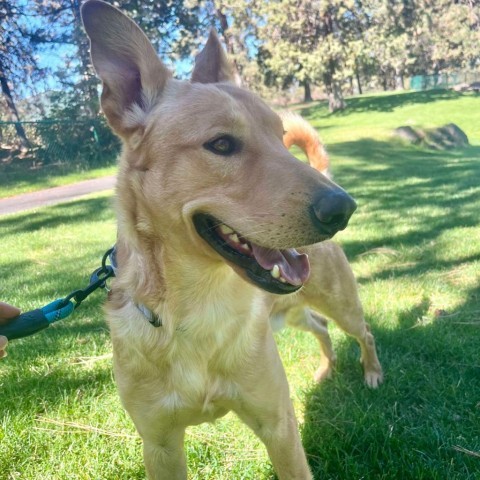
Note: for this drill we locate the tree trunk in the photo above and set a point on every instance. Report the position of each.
(359, 84)
(334, 89)
(89, 80)
(384, 81)
(350, 84)
(399, 84)
(12, 108)
(335, 98)
(307, 92)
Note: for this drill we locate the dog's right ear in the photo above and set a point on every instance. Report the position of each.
(133, 76)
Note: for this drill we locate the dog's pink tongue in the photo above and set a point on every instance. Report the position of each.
(294, 267)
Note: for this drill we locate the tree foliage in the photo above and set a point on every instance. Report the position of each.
(337, 43)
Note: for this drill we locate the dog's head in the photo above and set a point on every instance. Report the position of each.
(203, 161)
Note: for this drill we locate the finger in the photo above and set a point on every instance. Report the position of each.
(8, 311)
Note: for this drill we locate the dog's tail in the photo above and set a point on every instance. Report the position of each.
(300, 133)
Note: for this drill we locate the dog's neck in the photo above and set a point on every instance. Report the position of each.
(186, 286)
(139, 274)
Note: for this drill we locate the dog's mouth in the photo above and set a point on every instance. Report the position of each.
(273, 270)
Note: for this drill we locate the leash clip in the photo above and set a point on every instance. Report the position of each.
(98, 279)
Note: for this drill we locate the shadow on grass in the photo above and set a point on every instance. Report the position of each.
(78, 211)
(380, 103)
(415, 269)
(55, 280)
(417, 195)
(84, 330)
(422, 423)
(39, 284)
(52, 388)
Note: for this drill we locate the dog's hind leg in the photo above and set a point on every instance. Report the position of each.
(310, 321)
(348, 316)
(332, 291)
(360, 330)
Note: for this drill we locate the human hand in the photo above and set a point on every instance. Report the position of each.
(7, 312)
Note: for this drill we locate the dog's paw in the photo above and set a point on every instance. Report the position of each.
(323, 372)
(373, 378)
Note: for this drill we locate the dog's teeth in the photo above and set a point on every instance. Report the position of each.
(275, 271)
(282, 280)
(234, 238)
(245, 246)
(225, 230)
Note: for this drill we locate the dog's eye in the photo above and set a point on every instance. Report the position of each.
(224, 145)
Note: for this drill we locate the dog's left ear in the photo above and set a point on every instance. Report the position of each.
(211, 64)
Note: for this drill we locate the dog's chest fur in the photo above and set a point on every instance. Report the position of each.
(191, 364)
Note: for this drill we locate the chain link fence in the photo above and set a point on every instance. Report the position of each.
(51, 142)
(466, 80)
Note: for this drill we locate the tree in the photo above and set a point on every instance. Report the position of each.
(62, 31)
(310, 41)
(409, 37)
(275, 44)
(17, 60)
(237, 23)
(396, 38)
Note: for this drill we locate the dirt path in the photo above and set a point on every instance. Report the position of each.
(52, 196)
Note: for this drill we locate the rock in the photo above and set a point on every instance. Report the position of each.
(467, 87)
(409, 134)
(461, 87)
(448, 137)
(457, 135)
(475, 87)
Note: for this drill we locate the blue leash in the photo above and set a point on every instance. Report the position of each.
(32, 322)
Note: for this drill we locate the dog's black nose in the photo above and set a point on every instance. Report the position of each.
(332, 210)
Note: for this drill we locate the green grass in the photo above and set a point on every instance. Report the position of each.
(19, 179)
(414, 245)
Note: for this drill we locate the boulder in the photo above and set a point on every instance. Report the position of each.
(475, 87)
(456, 134)
(467, 87)
(408, 133)
(448, 137)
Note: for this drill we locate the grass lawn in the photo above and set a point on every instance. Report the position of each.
(414, 245)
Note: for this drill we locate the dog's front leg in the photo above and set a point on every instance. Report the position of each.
(164, 456)
(266, 407)
(279, 432)
(284, 447)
